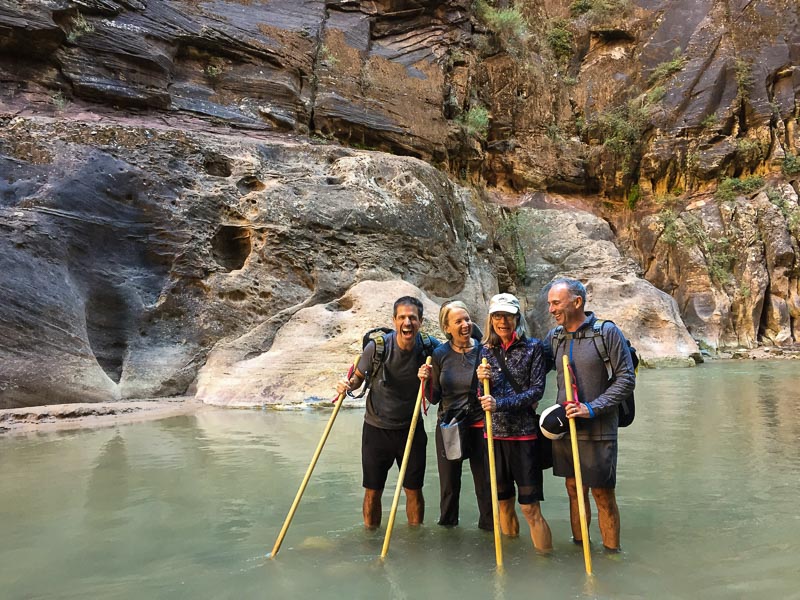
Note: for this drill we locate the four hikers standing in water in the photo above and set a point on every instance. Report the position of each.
(392, 366)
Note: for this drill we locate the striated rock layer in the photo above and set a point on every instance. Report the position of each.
(130, 252)
(133, 257)
(180, 179)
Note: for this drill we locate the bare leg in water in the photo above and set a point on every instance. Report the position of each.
(509, 524)
(415, 506)
(607, 517)
(372, 508)
(574, 510)
(540, 530)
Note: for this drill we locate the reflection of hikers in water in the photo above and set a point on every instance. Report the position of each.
(516, 371)
(597, 412)
(455, 390)
(390, 404)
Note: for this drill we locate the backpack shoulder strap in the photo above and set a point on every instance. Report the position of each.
(427, 344)
(380, 353)
(600, 344)
(556, 339)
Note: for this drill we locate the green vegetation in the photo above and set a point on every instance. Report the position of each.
(579, 7)
(688, 229)
(554, 132)
(560, 39)
(709, 121)
(744, 291)
(59, 100)
(598, 11)
(670, 228)
(749, 150)
(669, 199)
(508, 25)
(718, 252)
(634, 194)
(215, 68)
(730, 187)
(78, 26)
(476, 121)
(621, 129)
(655, 95)
(668, 68)
(213, 72)
(327, 58)
(791, 164)
(789, 211)
(744, 78)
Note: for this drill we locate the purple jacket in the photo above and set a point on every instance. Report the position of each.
(515, 414)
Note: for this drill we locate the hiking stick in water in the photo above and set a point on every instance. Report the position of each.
(576, 461)
(290, 516)
(403, 466)
(498, 546)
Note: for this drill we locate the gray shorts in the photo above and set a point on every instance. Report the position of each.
(598, 461)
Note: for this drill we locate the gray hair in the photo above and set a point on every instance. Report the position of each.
(490, 338)
(444, 314)
(574, 287)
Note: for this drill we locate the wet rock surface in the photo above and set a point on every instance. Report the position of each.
(130, 252)
(180, 180)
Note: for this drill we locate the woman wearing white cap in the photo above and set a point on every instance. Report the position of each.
(516, 371)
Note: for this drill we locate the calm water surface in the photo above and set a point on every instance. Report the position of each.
(189, 507)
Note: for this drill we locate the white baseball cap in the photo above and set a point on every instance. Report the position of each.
(504, 303)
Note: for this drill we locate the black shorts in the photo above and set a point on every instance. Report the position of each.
(381, 448)
(598, 461)
(515, 462)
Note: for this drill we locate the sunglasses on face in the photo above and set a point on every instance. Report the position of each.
(503, 317)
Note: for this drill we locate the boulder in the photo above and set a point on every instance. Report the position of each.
(580, 245)
(131, 252)
(311, 352)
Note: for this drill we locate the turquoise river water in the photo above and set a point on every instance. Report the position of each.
(189, 507)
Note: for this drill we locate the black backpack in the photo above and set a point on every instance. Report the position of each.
(378, 335)
(627, 408)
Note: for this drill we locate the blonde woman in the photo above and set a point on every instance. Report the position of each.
(455, 390)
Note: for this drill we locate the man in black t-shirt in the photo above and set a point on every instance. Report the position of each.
(390, 406)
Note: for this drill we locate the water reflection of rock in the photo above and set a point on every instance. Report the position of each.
(108, 487)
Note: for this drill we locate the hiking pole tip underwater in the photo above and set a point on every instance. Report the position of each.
(498, 545)
(576, 461)
(404, 465)
(337, 405)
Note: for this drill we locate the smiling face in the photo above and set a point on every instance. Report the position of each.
(459, 326)
(567, 310)
(504, 325)
(407, 323)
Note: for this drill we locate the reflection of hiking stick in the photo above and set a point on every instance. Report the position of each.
(576, 461)
(403, 466)
(290, 516)
(498, 546)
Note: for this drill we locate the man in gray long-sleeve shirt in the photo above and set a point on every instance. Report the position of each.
(597, 411)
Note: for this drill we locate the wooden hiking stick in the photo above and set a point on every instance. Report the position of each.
(576, 461)
(310, 470)
(498, 546)
(403, 466)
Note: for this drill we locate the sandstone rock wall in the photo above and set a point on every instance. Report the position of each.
(180, 179)
(131, 252)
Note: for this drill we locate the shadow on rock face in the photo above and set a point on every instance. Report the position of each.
(231, 246)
